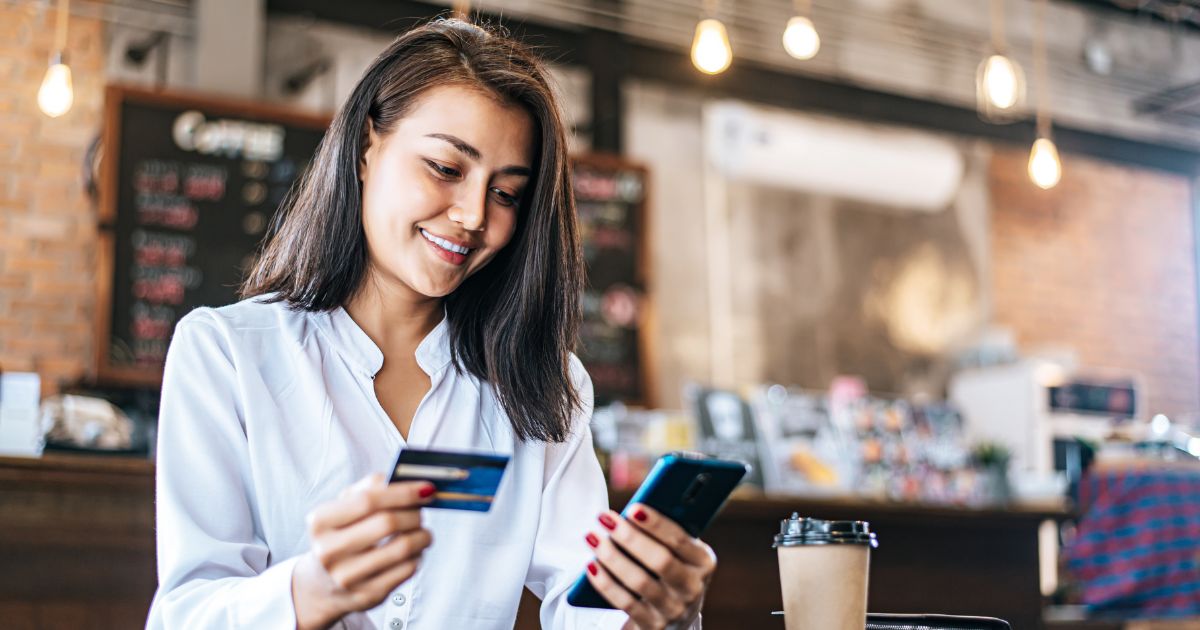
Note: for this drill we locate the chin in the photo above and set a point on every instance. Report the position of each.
(436, 289)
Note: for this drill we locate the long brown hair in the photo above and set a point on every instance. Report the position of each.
(514, 322)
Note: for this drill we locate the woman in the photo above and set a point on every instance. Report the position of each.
(418, 289)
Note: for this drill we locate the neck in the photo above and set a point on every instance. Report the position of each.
(395, 318)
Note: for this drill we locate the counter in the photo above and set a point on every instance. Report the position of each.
(76, 542)
(77, 549)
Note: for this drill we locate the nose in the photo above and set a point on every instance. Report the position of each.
(469, 213)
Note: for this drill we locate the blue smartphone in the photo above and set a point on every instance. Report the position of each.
(688, 489)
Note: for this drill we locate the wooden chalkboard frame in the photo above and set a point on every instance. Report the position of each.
(646, 316)
(115, 96)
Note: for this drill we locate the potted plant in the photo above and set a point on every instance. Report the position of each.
(991, 458)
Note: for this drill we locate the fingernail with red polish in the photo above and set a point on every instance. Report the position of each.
(592, 568)
(426, 492)
(592, 540)
(639, 515)
(608, 522)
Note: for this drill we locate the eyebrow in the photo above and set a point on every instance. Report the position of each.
(473, 153)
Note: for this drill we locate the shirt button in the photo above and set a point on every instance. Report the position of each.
(395, 624)
(398, 599)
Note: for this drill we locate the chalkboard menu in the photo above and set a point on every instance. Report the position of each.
(189, 185)
(610, 195)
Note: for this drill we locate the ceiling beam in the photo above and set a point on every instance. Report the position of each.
(1110, 7)
(557, 44)
(761, 84)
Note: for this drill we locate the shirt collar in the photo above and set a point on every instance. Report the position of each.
(433, 353)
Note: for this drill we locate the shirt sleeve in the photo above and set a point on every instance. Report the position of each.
(573, 496)
(214, 569)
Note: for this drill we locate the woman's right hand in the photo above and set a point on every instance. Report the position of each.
(365, 543)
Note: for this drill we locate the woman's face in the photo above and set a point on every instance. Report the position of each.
(441, 191)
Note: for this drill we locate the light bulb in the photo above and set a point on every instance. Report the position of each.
(56, 94)
(1045, 169)
(1000, 83)
(711, 52)
(800, 38)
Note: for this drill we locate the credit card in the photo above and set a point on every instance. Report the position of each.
(463, 481)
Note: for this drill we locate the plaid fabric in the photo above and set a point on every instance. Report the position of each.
(1137, 549)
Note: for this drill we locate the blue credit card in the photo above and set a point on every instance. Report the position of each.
(463, 481)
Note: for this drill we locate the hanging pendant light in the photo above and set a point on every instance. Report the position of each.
(999, 81)
(1045, 167)
(711, 52)
(800, 38)
(56, 94)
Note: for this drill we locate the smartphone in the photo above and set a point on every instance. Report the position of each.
(689, 489)
(877, 621)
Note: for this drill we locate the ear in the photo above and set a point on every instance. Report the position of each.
(368, 141)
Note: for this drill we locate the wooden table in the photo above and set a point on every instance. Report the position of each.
(944, 560)
(947, 560)
(77, 550)
(1133, 624)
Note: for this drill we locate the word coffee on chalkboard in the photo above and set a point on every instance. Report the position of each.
(190, 186)
(610, 200)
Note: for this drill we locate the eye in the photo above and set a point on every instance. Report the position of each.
(505, 199)
(444, 172)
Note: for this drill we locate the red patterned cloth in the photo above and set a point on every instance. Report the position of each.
(1137, 549)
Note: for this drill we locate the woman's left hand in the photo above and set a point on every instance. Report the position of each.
(668, 592)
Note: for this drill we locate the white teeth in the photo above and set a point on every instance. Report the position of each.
(444, 244)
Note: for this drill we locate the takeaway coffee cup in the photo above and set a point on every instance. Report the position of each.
(823, 571)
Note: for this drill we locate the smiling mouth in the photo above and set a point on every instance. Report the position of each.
(446, 245)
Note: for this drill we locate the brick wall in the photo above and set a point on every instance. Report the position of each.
(47, 224)
(1103, 264)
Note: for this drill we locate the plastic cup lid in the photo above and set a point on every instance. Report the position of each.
(797, 531)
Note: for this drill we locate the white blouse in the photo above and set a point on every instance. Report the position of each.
(268, 412)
